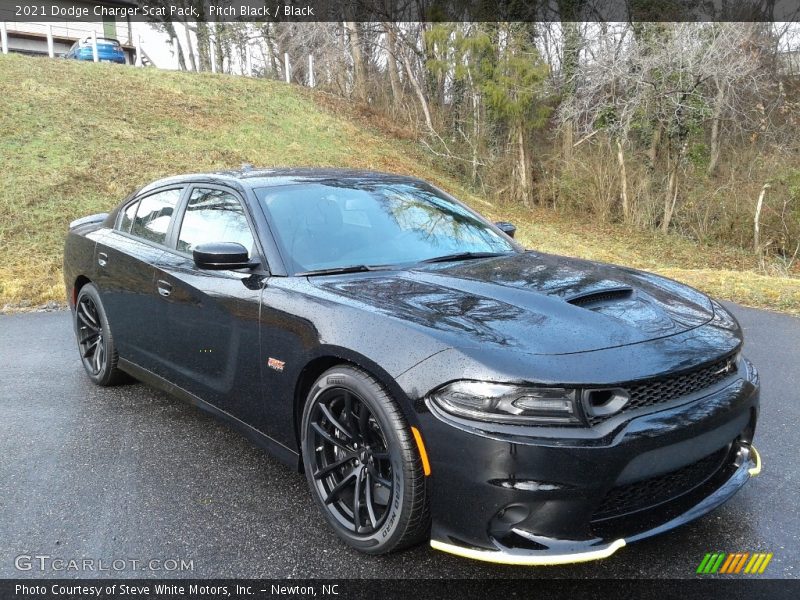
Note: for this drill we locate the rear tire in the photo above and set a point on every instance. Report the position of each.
(95, 340)
(362, 463)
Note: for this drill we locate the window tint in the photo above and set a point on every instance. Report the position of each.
(154, 214)
(214, 216)
(127, 216)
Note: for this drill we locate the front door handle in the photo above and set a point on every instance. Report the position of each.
(102, 259)
(164, 287)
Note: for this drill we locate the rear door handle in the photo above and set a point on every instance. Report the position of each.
(102, 259)
(164, 287)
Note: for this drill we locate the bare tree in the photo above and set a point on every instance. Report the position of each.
(669, 79)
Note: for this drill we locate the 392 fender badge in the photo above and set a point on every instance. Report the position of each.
(274, 363)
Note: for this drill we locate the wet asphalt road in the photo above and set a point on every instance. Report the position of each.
(130, 473)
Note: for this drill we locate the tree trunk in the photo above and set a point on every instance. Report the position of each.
(220, 42)
(476, 133)
(718, 105)
(567, 139)
(523, 166)
(173, 40)
(670, 198)
(391, 63)
(626, 212)
(571, 49)
(341, 75)
(652, 151)
(266, 32)
(189, 48)
(757, 225)
(203, 49)
(420, 94)
(181, 59)
(359, 85)
(476, 123)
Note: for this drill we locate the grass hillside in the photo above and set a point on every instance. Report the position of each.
(77, 137)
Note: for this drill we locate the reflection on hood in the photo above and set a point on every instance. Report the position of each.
(536, 303)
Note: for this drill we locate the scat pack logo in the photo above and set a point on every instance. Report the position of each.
(720, 563)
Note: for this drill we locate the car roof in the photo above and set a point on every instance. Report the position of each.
(275, 176)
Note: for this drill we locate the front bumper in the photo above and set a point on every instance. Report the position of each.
(523, 499)
(597, 549)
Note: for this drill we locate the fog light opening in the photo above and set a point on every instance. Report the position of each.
(604, 402)
(503, 525)
(601, 397)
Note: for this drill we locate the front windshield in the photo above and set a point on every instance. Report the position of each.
(331, 224)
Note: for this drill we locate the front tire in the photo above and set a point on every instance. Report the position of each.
(362, 463)
(95, 341)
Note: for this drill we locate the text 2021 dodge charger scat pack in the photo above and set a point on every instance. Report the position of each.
(433, 379)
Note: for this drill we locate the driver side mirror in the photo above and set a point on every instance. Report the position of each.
(508, 228)
(218, 256)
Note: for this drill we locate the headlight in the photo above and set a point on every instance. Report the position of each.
(506, 403)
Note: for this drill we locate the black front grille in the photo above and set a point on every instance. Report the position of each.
(670, 387)
(651, 492)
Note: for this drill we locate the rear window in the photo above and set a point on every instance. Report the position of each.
(154, 214)
(101, 41)
(127, 216)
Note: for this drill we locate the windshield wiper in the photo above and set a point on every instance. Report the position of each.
(365, 268)
(462, 256)
(339, 270)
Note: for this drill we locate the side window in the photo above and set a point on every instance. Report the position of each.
(214, 216)
(154, 214)
(127, 216)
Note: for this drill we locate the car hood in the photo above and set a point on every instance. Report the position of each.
(529, 302)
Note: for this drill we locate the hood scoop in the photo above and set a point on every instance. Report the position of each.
(599, 296)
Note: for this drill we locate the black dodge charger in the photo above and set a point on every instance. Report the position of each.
(433, 378)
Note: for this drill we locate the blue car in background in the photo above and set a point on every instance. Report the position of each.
(108, 50)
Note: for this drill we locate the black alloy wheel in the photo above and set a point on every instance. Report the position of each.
(95, 342)
(352, 469)
(90, 336)
(362, 463)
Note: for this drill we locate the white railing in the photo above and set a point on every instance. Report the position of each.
(64, 29)
(70, 31)
(58, 32)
